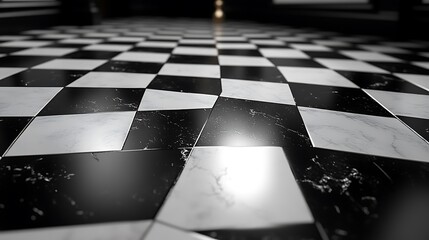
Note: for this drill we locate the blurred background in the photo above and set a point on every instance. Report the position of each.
(398, 18)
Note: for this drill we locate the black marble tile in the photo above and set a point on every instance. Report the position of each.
(93, 100)
(337, 99)
(266, 74)
(197, 45)
(379, 81)
(295, 62)
(400, 68)
(42, 78)
(421, 126)
(92, 55)
(152, 49)
(10, 128)
(409, 57)
(357, 197)
(193, 59)
(293, 232)
(166, 129)
(240, 52)
(318, 54)
(22, 61)
(132, 67)
(235, 122)
(187, 84)
(54, 190)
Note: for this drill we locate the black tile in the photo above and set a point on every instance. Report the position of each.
(293, 232)
(235, 122)
(266, 74)
(400, 68)
(295, 62)
(187, 84)
(166, 129)
(22, 61)
(42, 191)
(197, 45)
(357, 197)
(92, 55)
(132, 67)
(379, 81)
(193, 59)
(409, 57)
(336, 99)
(152, 49)
(42, 78)
(10, 127)
(240, 52)
(317, 54)
(421, 126)
(10, 49)
(92, 100)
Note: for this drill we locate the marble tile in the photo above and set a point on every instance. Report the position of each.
(127, 39)
(25, 44)
(282, 53)
(187, 84)
(317, 76)
(6, 72)
(267, 42)
(13, 37)
(383, 49)
(157, 44)
(420, 126)
(167, 100)
(214, 192)
(416, 79)
(131, 67)
(100, 35)
(42, 78)
(73, 133)
(56, 52)
(422, 64)
(257, 91)
(29, 102)
(349, 65)
(81, 41)
(266, 74)
(58, 36)
(160, 231)
(102, 55)
(107, 231)
(71, 64)
(22, 61)
(142, 57)
(310, 47)
(244, 61)
(230, 39)
(332, 43)
(113, 80)
(198, 41)
(195, 51)
(370, 56)
(235, 46)
(10, 128)
(365, 134)
(108, 47)
(403, 104)
(191, 70)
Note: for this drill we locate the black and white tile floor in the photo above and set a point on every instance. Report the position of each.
(162, 129)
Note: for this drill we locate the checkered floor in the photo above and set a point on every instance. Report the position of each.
(179, 129)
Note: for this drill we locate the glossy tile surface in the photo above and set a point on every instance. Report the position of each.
(161, 129)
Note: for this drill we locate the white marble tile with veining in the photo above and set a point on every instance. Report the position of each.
(114, 80)
(168, 100)
(235, 188)
(24, 102)
(365, 134)
(283, 53)
(191, 70)
(142, 57)
(350, 65)
(196, 51)
(317, 76)
(244, 61)
(163, 232)
(93, 132)
(403, 104)
(71, 64)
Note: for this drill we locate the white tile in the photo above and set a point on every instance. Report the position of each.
(257, 91)
(231, 39)
(292, 39)
(235, 188)
(113, 80)
(244, 61)
(383, 49)
(311, 47)
(370, 56)
(425, 54)
(422, 64)
(93, 132)
(191, 70)
(350, 65)
(7, 72)
(331, 43)
(19, 101)
(416, 79)
(317, 76)
(108, 47)
(283, 53)
(58, 36)
(198, 41)
(365, 134)
(403, 104)
(101, 35)
(165, 37)
(142, 57)
(160, 231)
(57, 52)
(268, 42)
(71, 64)
(138, 34)
(156, 44)
(167, 100)
(40, 31)
(25, 43)
(404, 44)
(235, 46)
(81, 41)
(196, 51)
(126, 39)
(107, 231)
(13, 37)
